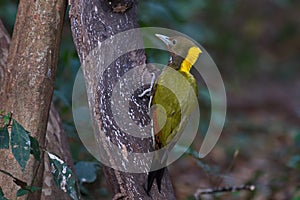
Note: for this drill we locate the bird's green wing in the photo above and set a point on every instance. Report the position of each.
(172, 106)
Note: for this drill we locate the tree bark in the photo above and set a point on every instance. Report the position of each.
(4, 48)
(56, 142)
(92, 22)
(28, 82)
(56, 139)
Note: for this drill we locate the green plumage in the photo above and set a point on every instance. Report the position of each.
(173, 101)
(174, 92)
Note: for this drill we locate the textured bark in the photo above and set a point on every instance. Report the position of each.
(56, 142)
(56, 139)
(28, 82)
(92, 22)
(4, 48)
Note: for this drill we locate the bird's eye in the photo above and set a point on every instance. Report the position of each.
(174, 42)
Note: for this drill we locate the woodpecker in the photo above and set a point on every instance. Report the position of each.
(173, 108)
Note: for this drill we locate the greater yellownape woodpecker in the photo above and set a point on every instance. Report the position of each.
(176, 111)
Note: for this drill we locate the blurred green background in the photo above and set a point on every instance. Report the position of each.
(256, 45)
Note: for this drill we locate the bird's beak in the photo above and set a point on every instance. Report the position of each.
(165, 39)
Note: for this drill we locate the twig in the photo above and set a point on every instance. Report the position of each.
(229, 168)
(17, 181)
(200, 192)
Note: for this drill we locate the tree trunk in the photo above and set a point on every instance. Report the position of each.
(93, 22)
(56, 142)
(28, 82)
(4, 48)
(56, 139)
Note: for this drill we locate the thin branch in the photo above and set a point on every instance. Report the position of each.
(200, 192)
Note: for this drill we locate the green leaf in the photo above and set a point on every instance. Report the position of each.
(63, 176)
(297, 139)
(7, 118)
(27, 190)
(20, 144)
(294, 162)
(35, 148)
(22, 192)
(33, 188)
(4, 138)
(84, 175)
(2, 195)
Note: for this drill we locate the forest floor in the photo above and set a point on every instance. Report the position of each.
(260, 145)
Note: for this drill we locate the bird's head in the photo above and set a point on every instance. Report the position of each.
(183, 50)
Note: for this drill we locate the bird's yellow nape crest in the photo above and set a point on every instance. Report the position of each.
(190, 59)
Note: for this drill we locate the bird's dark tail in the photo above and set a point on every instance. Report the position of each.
(158, 175)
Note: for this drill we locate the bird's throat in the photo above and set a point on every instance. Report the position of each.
(190, 59)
